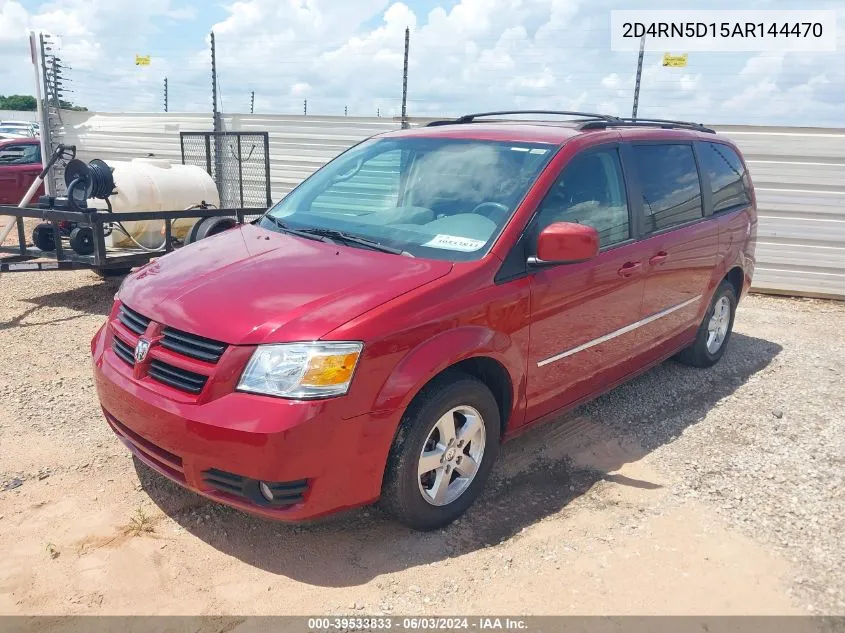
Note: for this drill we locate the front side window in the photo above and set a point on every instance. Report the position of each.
(671, 189)
(439, 198)
(591, 191)
(728, 178)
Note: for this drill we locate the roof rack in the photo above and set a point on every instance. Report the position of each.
(666, 124)
(469, 118)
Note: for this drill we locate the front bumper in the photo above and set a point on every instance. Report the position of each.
(333, 463)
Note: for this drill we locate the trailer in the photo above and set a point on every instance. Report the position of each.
(93, 226)
(72, 236)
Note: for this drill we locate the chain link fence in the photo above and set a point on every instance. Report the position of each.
(239, 163)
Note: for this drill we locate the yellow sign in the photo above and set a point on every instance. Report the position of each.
(142, 60)
(675, 61)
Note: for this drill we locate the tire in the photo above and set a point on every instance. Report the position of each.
(208, 227)
(43, 237)
(411, 497)
(191, 237)
(700, 354)
(107, 273)
(82, 240)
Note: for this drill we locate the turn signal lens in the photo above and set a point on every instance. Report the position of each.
(330, 370)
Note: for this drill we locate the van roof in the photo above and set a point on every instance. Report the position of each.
(552, 131)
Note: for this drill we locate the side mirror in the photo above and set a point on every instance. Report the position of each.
(565, 243)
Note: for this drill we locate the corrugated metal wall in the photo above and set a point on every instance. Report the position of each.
(123, 136)
(300, 145)
(799, 175)
(18, 115)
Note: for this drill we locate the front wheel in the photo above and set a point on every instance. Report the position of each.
(443, 452)
(715, 330)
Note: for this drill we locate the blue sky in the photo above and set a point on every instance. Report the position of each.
(466, 55)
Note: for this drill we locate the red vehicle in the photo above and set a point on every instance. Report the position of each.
(20, 163)
(422, 297)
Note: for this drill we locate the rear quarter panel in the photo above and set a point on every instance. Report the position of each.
(738, 233)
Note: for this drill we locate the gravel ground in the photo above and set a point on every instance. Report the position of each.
(770, 455)
(725, 483)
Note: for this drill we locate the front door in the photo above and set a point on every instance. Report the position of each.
(580, 312)
(19, 166)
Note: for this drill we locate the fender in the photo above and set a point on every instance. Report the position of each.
(442, 351)
(719, 273)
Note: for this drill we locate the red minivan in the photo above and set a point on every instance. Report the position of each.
(422, 297)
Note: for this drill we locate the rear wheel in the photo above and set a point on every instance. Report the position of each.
(715, 330)
(443, 452)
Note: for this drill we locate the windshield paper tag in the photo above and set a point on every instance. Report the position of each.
(455, 243)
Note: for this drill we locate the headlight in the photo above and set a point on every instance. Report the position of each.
(301, 370)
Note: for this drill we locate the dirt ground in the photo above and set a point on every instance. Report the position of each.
(683, 492)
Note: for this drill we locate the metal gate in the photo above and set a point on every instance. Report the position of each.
(239, 163)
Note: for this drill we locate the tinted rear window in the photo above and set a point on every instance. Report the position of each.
(671, 189)
(728, 178)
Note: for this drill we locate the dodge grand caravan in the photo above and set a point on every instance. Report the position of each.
(422, 297)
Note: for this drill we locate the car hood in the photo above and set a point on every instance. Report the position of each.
(249, 285)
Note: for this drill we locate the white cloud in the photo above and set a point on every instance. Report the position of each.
(610, 81)
(13, 20)
(470, 55)
(301, 89)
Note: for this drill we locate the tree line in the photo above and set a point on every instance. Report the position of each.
(27, 103)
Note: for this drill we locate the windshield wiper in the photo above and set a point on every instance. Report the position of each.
(355, 239)
(332, 236)
(306, 234)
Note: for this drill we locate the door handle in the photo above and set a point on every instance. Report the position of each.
(658, 259)
(629, 268)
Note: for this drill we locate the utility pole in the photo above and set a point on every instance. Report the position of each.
(51, 120)
(214, 111)
(252, 103)
(305, 107)
(218, 127)
(38, 98)
(44, 74)
(639, 76)
(405, 80)
(165, 94)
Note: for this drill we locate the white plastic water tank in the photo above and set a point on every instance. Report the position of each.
(150, 184)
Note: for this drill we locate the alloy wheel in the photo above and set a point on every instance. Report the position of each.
(720, 321)
(451, 455)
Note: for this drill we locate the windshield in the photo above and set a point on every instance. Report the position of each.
(430, 197)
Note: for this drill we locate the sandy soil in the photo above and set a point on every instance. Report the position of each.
(580, 517)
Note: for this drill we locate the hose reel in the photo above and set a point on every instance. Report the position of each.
(87, 180)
